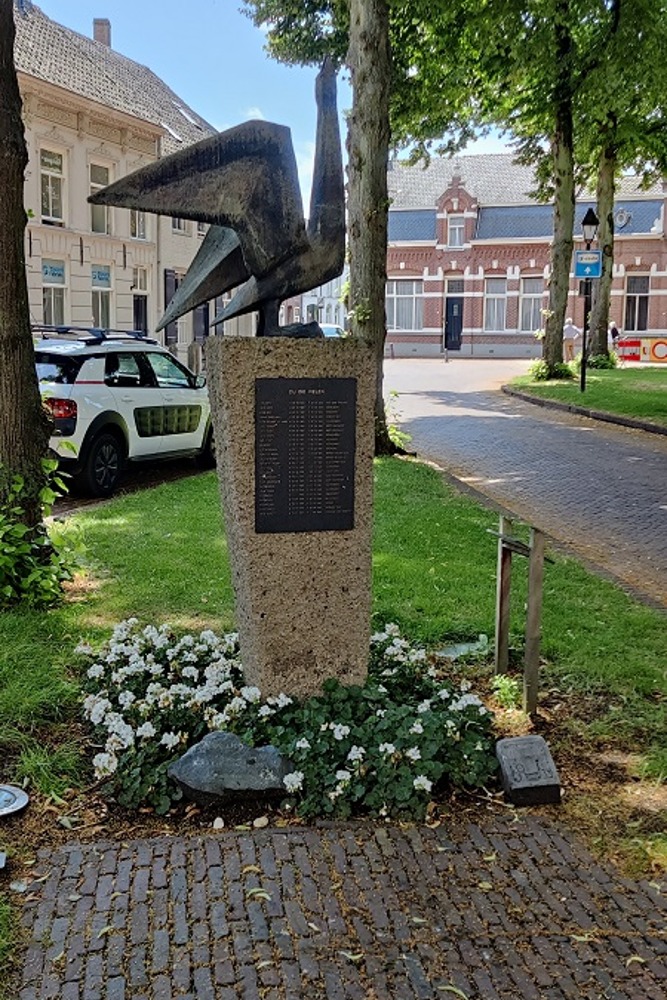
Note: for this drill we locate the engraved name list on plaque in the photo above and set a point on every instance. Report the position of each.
(304, 454)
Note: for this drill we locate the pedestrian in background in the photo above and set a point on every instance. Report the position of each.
(570, 335)
(613, 335)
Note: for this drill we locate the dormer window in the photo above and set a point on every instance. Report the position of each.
(455, 231)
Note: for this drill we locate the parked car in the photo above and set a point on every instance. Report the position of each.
(330, 330)
(118, 397)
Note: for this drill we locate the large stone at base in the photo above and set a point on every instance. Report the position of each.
(302, 597)
(222, 767)
(528, 773)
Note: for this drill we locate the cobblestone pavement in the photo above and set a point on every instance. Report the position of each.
(508, 909)
(600, 489)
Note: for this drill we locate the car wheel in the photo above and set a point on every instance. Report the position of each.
(102, 466)
(206, 457)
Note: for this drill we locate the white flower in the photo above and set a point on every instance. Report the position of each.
(97, 670)
(392, 629)
(443, 693)
(236, 705)
(414, 753)
(381, 712)
(340, 731)
(190, 672)
(125, 698)
(343, 777)
(382, 689)
(302, 744)
(422, 784)
(264, 711)
(416, 728)
(170, 740)
(424, 706)
(293, 782)
(251, 694)
(465, 686)
(356, 753)
(84, 649)
(387, 748)
(146, 730)
(280, 701)
(104, 764)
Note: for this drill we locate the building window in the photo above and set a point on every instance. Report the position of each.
(139, 279)
(51, 169)
(636, 302)
(405, 305)
(201, 229)
(101, 282)
(53, 292)
(178, 225)
(455, 231)
(495, 300)
(455, 286)
(99, 214)
(137, 224)
(531, 304)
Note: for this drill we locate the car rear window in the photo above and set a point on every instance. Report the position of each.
(54, 368)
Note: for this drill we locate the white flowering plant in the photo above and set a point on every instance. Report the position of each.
(382, 748)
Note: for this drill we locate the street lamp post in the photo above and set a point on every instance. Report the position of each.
(589, 226)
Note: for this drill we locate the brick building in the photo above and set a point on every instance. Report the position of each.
(468, 258)
(91, 115)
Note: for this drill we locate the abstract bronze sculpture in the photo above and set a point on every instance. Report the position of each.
(244, 183)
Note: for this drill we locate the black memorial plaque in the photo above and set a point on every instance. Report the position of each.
(304, 454)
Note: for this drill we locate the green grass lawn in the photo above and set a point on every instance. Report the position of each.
(630, 392)
(161, 555)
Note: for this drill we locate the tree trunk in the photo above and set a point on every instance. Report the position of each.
(562, 151)
(368, 204)
(605, 205)
(24, 427)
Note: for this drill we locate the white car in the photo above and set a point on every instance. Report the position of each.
(118, 398)
(331, 330)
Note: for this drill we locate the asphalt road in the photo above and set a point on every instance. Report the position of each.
(598, 489)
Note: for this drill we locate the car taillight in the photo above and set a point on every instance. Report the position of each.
(61, 409)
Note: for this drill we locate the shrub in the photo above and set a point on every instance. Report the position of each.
(378, 748)
(33, 562)
(600, 361)
(539, 371)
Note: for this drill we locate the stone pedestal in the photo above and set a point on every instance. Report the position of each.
(300, 551)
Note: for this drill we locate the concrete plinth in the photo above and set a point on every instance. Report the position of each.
(302, 597)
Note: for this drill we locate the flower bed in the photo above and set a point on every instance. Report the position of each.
(384, 748)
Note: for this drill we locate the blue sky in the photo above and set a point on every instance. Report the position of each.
(213, 57)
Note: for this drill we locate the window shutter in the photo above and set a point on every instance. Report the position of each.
(170, 286)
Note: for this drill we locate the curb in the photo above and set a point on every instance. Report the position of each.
(584, 411)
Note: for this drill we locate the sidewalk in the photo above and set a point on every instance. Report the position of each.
(508, 908)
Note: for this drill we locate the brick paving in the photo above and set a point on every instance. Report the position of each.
(599, 489)
(508, 908)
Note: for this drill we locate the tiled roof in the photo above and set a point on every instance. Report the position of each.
(493, 179)
(60, 56)
(516, 222)
(412, 226)
(535, 221)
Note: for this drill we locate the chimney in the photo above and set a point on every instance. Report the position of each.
(102, 31)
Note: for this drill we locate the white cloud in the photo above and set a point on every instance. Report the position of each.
(253, 114)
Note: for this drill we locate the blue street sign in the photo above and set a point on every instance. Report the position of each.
(587, 263)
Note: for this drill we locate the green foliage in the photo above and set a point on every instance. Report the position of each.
(397, 436)
(601, 362)
(379, 748)
(33, 561)
(540, 371)
(632, 392)
(507, 690)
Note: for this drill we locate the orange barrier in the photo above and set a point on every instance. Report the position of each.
(655, 350)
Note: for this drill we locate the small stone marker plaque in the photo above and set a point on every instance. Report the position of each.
(528, 773)
(304, 454)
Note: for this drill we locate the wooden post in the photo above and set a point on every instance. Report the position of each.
(504, 578)
(533, 619)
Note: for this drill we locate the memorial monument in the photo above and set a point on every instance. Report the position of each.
(292, 412)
